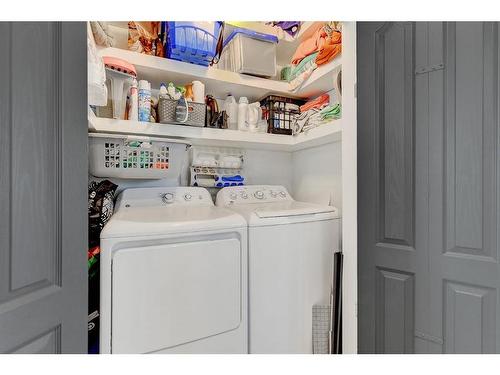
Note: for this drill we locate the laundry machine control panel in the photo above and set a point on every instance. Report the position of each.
(165, 196)
(252, 194)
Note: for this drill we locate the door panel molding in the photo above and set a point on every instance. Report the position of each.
(394, 114)
(471, 131)
(35, 192)
(395, 295)
(469, 318)
(47, 343)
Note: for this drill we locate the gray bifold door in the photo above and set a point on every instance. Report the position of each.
(43, 186)
(429, 182)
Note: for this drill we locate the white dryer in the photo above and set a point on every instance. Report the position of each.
(290, 250)
(173, 274)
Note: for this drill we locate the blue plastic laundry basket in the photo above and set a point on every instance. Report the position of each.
(190, 43)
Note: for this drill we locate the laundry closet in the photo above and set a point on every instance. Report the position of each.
(239, 138)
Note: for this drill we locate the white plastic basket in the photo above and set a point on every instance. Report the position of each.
(130, 156)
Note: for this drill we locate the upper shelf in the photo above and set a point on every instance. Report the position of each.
(221, 82)
(327, 133)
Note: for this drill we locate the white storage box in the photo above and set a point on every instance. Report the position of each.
(130, 156)
(249, 52)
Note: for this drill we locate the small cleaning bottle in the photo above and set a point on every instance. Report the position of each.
(144, 99)
(181, 110)
(133, 103)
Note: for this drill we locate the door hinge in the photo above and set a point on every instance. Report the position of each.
(430, 68)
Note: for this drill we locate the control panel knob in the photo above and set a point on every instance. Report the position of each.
(168, 198)
(244, 195)
(282, 194)
(233, 196)
(187, 197)
(259, 194)
(273, 194)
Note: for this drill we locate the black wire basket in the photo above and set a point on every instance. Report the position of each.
(279, 112)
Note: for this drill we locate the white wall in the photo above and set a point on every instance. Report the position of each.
(317, 175)
(269, 168)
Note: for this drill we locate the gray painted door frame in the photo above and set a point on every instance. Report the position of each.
(43, 187)
(428, 172)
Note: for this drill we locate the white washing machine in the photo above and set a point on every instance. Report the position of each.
(173, 274)
(290, 260)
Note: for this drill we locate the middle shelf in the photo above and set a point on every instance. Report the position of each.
(326, 133)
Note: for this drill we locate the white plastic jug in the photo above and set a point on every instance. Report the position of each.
(254, 115)
(231, 108)
(243, 114)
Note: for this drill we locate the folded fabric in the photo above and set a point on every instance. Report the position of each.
(318, 103)
(331, 112)
(306, 120)
(310, 45)
(285, 74)
(330, 48)
(315, 117)
(303, 65)
(298, 81)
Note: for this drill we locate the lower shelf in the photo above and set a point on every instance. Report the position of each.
(327, 133)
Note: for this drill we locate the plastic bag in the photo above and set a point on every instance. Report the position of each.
(100, 209)
(144, 37)
(96, 73)
(101, 196)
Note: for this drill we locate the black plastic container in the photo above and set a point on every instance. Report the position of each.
(278, 114)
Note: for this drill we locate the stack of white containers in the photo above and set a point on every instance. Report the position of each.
(244, 116)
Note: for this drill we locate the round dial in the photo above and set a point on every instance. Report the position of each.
(273, 194)
(168, 197)
(282, 194)
(244, 195)
(259, 194)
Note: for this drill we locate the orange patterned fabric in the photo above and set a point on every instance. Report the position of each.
(309, 46)
(330, 49)
(319, 103)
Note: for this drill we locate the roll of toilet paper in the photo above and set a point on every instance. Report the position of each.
(198, 92)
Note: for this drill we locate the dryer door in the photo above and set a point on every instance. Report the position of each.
(172, 294)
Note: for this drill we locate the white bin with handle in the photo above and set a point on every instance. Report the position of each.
(131, 156)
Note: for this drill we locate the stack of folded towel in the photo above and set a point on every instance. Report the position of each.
(314, 117)
(322, 47)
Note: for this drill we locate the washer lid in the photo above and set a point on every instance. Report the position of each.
(290, 208)
(154, 220)
(291, 212)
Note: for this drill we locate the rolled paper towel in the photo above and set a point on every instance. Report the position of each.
(198, 92)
